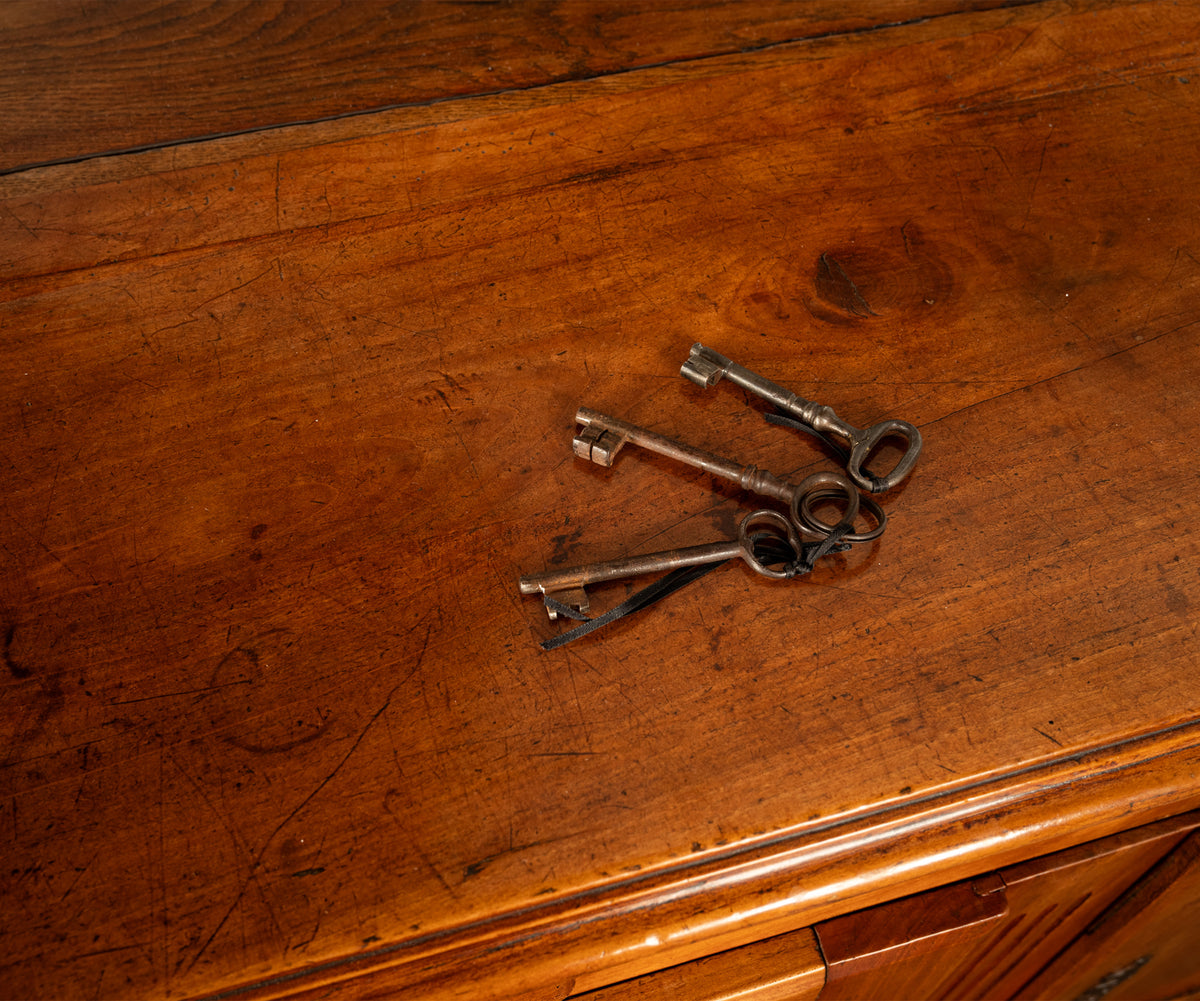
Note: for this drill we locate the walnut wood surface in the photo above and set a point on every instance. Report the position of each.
(85, 79)
(280, 432)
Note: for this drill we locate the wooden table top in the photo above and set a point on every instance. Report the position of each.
(288, 407)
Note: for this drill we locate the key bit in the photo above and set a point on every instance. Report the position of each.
(705, 370)
(599, 445)
(572, 597)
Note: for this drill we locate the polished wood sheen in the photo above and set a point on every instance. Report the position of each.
(784, 968)
(284, 416)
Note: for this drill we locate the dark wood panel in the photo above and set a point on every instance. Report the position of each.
(903, 948)
(1145, 946)
(82, 79)
(987, 937)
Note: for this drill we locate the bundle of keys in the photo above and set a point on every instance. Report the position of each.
(771, 543)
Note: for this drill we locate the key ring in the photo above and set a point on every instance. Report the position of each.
(825, 486)
(784, 531)
(821, 487)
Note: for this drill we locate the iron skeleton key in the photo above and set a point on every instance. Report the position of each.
(567, 585)
(706, 367)
(603, 436)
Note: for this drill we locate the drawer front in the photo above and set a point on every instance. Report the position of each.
(1090, 918)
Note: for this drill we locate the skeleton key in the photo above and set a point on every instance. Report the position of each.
(705, 368)
(603, 436)
(568, 585)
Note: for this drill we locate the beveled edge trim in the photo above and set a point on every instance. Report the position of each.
(683, 910)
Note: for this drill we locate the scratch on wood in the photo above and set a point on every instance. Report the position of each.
(22, 223)
(257, 861)
(562, 754)
(475, 868)
(1036, 178)
(185, 691)
(840, 289)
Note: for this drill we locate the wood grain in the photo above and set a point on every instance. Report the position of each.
(63, 221)
(279, 434)
(900, 949)
(89, 79)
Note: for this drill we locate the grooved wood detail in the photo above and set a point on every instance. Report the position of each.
(82, 80)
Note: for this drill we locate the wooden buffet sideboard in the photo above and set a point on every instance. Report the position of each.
(298, 301)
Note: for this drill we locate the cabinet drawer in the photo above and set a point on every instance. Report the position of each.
(1145, 946)
(938, 945)
(1054, 926)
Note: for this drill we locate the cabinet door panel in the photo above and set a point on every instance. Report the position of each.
(1051, 900)
(942, 945)
(1147, 945)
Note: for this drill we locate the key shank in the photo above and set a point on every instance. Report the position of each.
(603, 436)
(571, 582)
(552, 581)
